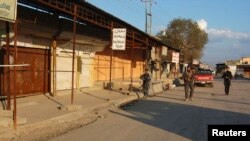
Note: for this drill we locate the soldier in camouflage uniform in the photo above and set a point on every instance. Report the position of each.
(227, 75)
(188, 77)
(146, 82)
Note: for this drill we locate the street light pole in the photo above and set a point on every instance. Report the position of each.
(148, 16)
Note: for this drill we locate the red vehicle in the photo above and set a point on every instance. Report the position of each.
(204, 77)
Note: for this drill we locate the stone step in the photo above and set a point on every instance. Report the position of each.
(7, 134)
(6, 113)
(8, 121)
(21, 120)
(71, 107)
(91, 88)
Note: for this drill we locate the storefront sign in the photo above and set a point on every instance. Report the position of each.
(8, 10)
(119, 39)
(175, 57)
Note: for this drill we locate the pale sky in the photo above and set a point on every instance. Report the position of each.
(227, 22)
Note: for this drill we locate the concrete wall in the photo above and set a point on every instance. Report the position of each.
(82, 69)
(121, 65)
(64, 71)
(233, 69)
(86, 70)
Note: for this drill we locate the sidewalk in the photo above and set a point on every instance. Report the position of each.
(44, 116)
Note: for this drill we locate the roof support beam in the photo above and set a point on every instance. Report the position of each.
(98, 18)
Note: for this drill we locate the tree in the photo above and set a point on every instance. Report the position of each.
(186, 35)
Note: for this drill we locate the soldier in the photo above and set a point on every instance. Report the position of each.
(188, 77)
(227, 75)
(146, 82)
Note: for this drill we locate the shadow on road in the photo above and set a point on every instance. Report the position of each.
(180, 99)
(94, 96)
(184, 120)
(57, 102)
(213, 99)
(230, 101)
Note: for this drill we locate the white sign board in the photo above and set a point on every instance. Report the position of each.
(119, 39)
(8, 9)
(175, 57)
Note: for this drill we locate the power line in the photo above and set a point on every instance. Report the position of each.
(163, 9)
(125, 11)
(132, 11)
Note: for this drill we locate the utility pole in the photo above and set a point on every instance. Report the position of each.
(148, 16)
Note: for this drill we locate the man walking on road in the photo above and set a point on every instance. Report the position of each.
(146, 82)
(227, 75)
(188, 77)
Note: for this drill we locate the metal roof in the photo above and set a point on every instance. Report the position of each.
(94, 15)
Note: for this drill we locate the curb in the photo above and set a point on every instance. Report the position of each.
(121, 102)
(59, 125)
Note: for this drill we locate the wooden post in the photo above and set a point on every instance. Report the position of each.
(73, 58)
(15, 62)
(110, 69)
(78, 73)
(8, 61)
(155, 65)
(132, 60)
(54, 44)
(111, 58)
(147, 54)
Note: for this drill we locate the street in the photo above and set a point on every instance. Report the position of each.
(167, 117)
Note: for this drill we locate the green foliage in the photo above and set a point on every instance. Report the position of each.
(186, 35)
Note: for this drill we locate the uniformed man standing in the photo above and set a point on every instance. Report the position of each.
(227, 75)
(146, 78)
(188, 77)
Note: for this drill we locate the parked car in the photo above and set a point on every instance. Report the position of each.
(204, 77)
(238, 74)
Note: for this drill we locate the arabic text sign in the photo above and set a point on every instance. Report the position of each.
(8, 10)
(175, 57)
(119, 39)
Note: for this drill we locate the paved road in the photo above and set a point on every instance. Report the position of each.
(167, 117)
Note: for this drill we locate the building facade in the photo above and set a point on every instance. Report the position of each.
(51, 34)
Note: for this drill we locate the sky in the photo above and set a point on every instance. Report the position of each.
(227, 22)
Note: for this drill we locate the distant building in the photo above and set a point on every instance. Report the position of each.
(239, 68)
(244, 67)
(244, 70)
(232, 64)
(220, 69)
(245, 60)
